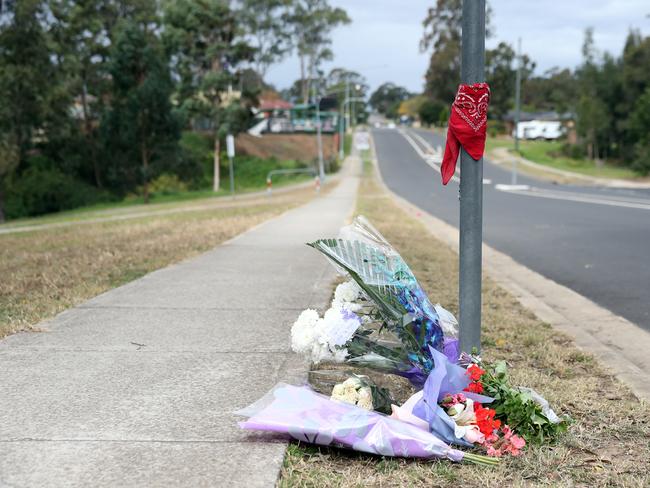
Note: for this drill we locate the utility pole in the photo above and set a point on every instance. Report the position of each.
(471, 187)
(342, 123)
(517, 110)
(319, 140)
(518, 95)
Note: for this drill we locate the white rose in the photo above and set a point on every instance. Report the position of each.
(365, 398)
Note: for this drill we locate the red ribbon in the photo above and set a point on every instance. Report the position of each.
(467, 126)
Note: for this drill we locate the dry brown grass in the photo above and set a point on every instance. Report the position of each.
(608, 443)
(46, 271)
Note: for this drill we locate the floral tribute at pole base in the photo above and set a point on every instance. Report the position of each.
(382, 319)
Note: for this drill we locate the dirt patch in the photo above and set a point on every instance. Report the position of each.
(299, 147)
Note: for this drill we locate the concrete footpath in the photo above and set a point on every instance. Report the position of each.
(137, 386)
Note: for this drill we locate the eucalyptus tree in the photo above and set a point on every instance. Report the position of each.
(311, 23)
(207, 44)
(265, 26)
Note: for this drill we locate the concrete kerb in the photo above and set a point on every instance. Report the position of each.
(619, 344)
(502, 157)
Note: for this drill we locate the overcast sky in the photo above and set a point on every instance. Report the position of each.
(382, 42)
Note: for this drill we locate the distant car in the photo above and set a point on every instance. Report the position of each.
(548, 130)
(391, 125)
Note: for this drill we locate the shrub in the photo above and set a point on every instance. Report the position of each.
(641, 163)
(573, 151)
(166, 184)
(40, 190)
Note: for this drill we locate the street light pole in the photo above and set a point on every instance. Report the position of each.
(518, 96)
(342, 124)
(471, 187)
(517, 111)
(319, 141)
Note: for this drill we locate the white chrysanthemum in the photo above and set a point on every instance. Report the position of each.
(351, 306)
(448, 322)
(303, 331)
(349, 291)
(337, 327)
(340, 355)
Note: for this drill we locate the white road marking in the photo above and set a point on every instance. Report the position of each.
(431, 158)
(579, 197)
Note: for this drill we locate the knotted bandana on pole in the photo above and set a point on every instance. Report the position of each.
(467, 126)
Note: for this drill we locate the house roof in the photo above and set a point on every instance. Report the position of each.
(275, 104)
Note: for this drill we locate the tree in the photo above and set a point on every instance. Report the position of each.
(429, 112)
(26, 83)
(311, 22)
(556, 90)
(639, 124)
(340, 81)
(140, 125)
(387, 98)
(500, 73)
(591, 110)
(81, 42)
(27, 72)
(265, 25)
(207, 45)
(442, 33)
(9, 157)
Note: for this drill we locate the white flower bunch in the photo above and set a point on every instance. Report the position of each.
(324, 339)
(346, 296)
(355, 392)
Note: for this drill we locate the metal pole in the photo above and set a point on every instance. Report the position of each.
(319, 140)
(232, 176)
(518, 96)
(471, 187)
(342, 124)
(347, 108)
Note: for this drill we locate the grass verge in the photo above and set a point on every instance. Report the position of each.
(46, 271)
(608, 443)
(548, 154)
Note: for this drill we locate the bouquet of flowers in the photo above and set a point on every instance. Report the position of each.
(308, 416)
(381, 318)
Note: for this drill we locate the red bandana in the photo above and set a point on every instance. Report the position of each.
(467, 125)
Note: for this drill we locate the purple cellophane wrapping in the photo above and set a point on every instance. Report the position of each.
(311, 417)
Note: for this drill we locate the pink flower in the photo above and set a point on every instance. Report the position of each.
(491, 451)
(507, 432)
(474, 435)
(517, 442)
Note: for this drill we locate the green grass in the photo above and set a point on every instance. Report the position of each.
(250, 176)
(548, 153)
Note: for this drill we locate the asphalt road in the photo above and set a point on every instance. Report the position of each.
(595, 241)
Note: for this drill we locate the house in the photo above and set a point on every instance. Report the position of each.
(542, 125)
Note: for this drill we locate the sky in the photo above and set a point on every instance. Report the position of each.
(382, 42)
